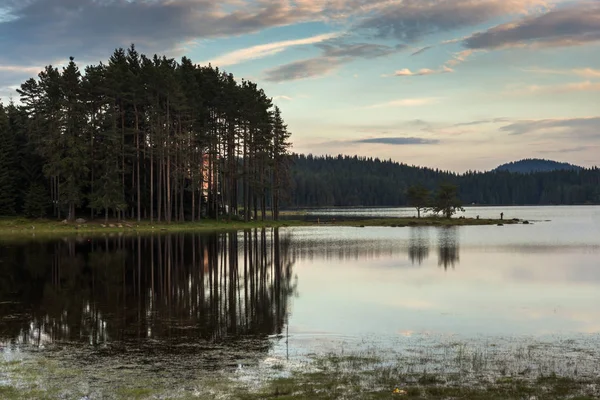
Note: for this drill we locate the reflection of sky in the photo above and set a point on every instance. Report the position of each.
(533, 280)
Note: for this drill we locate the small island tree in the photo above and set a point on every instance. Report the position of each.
(446, 201)
(418, 197)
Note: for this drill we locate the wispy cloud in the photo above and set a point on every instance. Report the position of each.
(582, 72)
(333, 55)
(575, 149)
(423, 72)
(358, 50)
(265, 50)
(13, 75)
(500, 120)
(283, 97)
(421, 50)
(460, 57)
(411, 20)
(570, 25)
(302, 69)
(398, 141)
(20, 69)
(586, 86)
(587, 127)
(38, 30)
(407, 102)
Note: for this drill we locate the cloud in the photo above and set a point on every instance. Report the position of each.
(410, 20)
(423, 72)
(264, 50)
(20, 69)
(460, 57)
(571, 25)
(398, 141)
(586, 86)
(421, 50)
(358, 50)
(572, 128)
(483, 122)
(35, 31)
(38, 30)
(582, 72)
(282, 97)
(575, 149)
(302, 69)
(333, 55)
(7, 93)
(407, 102)
(13, 74)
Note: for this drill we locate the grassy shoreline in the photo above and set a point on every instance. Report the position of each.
(24, 226)
(466, 375)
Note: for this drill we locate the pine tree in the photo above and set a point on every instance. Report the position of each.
(161, 139)
(418, 198)
(281, 161)
(7, 166)
(36, 201)
(74, 161)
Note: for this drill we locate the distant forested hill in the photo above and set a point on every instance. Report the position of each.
(358, 181)
(536, 165)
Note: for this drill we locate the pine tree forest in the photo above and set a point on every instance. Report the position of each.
(327, 181)
(142, 138)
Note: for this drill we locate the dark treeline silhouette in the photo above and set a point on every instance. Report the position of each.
(529, 165)
(358, 181)
(173, 289)
(141, 137)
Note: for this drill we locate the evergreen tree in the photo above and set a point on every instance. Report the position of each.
(36, 201)
(151, 137)
(418, 197)
(446, 201)
(73, 164)
(281, 161)
(7, 166)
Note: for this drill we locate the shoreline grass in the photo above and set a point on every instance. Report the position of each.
(329, 376)
(24, 226)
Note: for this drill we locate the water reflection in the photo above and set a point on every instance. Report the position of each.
(161, 288)
(418, 245)
(345, 244)
(448, 247)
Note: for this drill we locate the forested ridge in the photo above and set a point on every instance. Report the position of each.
(359, 181)
(529, 165)
(141, 137)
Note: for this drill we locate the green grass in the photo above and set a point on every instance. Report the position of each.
(38, 227)
(355, 376)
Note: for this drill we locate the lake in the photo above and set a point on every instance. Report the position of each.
(164, 309)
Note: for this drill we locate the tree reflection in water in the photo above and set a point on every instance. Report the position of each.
(448, 247)
(161, 289)
(418, 245)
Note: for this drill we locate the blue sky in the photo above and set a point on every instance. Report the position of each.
(450, 84)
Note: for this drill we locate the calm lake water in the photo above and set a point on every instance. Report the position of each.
(164, 307)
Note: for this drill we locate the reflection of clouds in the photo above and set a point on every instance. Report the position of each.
(585, 321)
(540, 248)
(574, 268)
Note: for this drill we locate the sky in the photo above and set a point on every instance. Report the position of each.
(452, 84)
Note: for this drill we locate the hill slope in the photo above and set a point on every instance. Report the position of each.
(529, 165)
